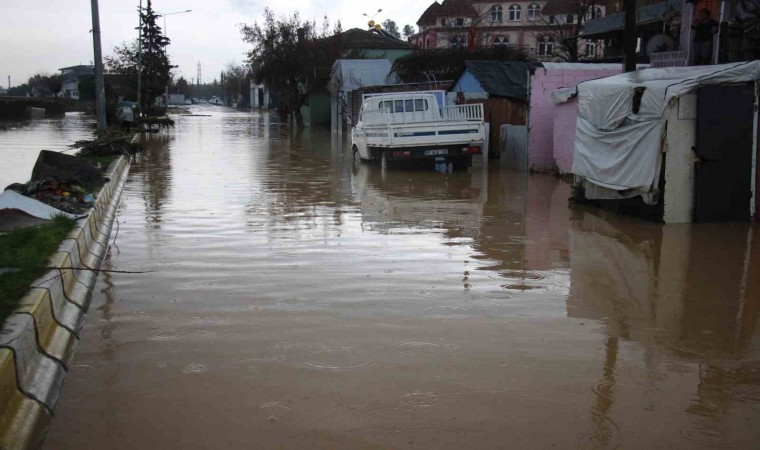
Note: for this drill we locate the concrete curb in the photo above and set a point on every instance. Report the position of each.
(38, 341)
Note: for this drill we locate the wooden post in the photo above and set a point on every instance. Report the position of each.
(629, 36)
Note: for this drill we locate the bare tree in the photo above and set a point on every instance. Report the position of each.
(560, 38)
(288, 52)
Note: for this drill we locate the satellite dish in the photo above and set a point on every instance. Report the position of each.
(660, 43)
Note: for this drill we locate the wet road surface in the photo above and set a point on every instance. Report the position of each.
(295, 300)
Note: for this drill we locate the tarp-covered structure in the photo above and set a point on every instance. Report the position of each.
(350, 74)
(621, 123)
(495, 78)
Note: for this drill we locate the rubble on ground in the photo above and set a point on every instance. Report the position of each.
(112, 143)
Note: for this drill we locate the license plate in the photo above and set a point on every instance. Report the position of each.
(443, 151)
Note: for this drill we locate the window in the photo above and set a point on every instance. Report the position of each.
(591, 48)
(546, 46)
(501, 40)
(534, 12)
(514, 12)
(457, 41)
(401, 106)
(552, 20)
(460, 21)
(496, 13)
(593, 13)
(570, 18)
(443, 22)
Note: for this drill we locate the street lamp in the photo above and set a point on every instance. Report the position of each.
(373, 15)
(167, 35)
(371, 21)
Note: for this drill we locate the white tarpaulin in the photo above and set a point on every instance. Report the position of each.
(617, 148)
(33, 207)
(350, 74)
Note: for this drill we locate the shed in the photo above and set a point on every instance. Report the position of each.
(502, 87)
(680, 142)
(543, 156)
(348, 75)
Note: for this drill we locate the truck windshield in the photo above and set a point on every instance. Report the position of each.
(400, 106)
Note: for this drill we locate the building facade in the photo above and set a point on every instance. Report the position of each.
(536, 27)
(71, 76)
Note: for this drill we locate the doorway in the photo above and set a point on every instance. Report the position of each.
(723, 175)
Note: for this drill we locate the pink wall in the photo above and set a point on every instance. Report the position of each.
(565, 116)
(543, 82)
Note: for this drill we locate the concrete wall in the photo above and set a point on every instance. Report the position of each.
(541, 121)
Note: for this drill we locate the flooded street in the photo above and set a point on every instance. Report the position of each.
(294, 299)
(21, 142)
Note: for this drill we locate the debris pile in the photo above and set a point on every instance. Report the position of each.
(155, 124)
(67, 196)
(112, 143)
(62, 181)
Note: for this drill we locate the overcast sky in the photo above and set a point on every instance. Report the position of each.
(44, 35)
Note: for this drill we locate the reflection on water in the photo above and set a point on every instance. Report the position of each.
(21, 142)
(297, 299)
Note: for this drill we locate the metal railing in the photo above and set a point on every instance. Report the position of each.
(464, 113)
(458, 113)
(376, 116)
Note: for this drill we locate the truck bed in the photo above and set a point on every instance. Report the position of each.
(459, 124)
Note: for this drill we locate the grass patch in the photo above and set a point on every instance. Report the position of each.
(27, 252)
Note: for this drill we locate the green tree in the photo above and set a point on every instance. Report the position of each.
(156, 68)
(291, 55)
(391, 27)
(408, 31)
(21, 90)
(38, 84)
(182, 86)
(235, 82)
(55, 84)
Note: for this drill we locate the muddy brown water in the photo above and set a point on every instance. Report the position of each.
(21, 142)
(296, 300)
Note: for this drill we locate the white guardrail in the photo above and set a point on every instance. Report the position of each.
(458, 113)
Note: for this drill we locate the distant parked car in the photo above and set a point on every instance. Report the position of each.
(188, 102)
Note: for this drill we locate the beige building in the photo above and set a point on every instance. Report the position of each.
(536, 27)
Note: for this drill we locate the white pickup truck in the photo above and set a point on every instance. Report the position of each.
(417, 126)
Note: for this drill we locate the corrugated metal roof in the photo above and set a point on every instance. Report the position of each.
(500, 78)
(357, 38)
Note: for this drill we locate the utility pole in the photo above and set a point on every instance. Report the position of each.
(9, 82)
(629, 36)
(139, 61)
(100, 93)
